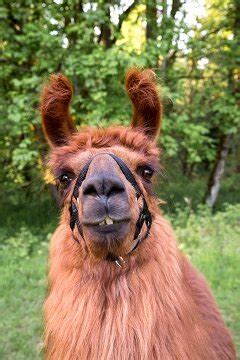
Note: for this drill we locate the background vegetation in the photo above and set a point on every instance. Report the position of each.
(194, 48)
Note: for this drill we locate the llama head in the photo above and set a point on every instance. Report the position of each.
(107, 205)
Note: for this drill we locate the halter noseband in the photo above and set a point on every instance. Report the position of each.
(144, 214)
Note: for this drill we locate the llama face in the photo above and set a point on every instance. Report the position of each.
(108, 208)
(106, 202)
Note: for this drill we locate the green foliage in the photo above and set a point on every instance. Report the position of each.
(86, 43)
(22, 244)
(179, 192)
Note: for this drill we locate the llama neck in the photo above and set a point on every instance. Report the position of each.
(118, 311)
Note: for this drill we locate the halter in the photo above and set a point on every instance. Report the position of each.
(144, 214)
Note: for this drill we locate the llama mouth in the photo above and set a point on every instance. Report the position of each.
(108, 224)
(107, 221)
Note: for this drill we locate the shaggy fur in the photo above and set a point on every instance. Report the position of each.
(157, 306)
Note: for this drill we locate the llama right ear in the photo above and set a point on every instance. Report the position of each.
(54, 106)
(147, 108)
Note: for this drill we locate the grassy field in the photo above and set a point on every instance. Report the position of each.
(211, 242)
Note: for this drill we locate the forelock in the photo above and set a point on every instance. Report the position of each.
(134, 139)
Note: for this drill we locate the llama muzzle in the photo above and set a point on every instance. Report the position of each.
(106, 211)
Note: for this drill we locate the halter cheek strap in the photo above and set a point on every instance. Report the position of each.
(144, 214)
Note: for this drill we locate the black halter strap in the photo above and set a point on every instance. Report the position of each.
(144, 214)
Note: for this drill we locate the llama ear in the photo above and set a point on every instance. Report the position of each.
(54, 106)
(147, 108)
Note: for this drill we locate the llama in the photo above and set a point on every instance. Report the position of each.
(119, 287)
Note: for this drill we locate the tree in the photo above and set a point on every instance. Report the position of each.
(93, 43)
(230, 42)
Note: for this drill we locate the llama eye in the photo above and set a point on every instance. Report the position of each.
(147, 173)
(65, 179)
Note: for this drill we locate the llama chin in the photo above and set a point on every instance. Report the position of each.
(119, 288)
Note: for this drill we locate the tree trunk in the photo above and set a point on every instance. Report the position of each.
(226, 139)
(218, 171)
(168, 32)
(106, 36)
(152, 32)
(108, 31)
(151, 17)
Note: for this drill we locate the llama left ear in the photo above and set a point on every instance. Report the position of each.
(56, 120)
(147, 108)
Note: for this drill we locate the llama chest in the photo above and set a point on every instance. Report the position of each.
(122, 321)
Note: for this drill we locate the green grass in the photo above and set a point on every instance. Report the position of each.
(25, 230)
(22, 291)
(211, 241)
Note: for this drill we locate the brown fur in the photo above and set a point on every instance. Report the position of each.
(57, 122)
(142, 90)
(157, 306)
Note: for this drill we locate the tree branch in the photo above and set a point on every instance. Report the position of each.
(176, 4)
(125, 14)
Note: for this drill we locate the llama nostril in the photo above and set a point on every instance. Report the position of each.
(114, 189)
(90, 190)
(102, 185)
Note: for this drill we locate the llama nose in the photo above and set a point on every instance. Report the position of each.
(102, 185)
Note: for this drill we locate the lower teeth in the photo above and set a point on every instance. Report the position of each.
(106, 221)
